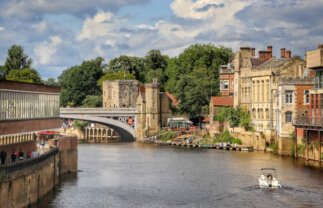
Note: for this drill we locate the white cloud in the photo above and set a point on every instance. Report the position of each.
(46, 50)
(2, 28)
(40, 27)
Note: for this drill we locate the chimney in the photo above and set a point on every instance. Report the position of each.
(282, 52)
(270, 48)
(288, 54)
(253, 52)
(320, 46)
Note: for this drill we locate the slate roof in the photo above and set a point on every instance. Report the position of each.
(257, 61)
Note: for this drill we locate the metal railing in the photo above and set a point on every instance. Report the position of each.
(6, 170)
(309, 122)
(96, 110)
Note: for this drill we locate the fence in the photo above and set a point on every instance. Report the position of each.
(16, 138)
(6, 170)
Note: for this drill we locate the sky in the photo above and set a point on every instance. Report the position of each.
(63, 33)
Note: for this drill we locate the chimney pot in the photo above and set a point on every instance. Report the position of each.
(270, 48)
(253, 52)
(282, 52)
(320, 46)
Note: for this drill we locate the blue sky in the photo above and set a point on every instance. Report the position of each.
(60, 34)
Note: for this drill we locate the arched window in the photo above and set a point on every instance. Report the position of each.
(267, 113)
(289, 96)
(288, 117)
(306, 97)
(254, 113)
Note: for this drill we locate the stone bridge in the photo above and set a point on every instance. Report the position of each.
(123, 120)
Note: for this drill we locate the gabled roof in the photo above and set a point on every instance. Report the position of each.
(173, 99)
(274, 63)
(222, 101)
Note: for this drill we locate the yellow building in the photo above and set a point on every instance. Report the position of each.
(257, 81)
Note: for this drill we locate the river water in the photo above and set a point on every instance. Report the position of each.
(148, 176)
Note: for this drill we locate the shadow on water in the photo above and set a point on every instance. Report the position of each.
(46, 201)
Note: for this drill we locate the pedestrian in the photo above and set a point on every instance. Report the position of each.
(3, 156)
(28, 155)
(34, 154)
(21, 155)
(14, 155)
(42, 143)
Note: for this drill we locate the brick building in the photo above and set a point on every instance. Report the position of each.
(226, 75)
(310, 129)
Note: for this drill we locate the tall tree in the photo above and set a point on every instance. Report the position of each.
(115, 76)
(51, 81)
(133, 65)
(17, 59)
(79, 81)
(193, 74)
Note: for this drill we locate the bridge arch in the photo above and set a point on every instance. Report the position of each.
(126, 132)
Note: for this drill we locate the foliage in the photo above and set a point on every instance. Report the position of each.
(193, 74)
(167, 136)
(92, 101)
(51, 81)
(16, 60)
(79, 81)
(226, 137)
(274, 147)
(235, 116)
(132, 65)
(80, 125)
(115, 76)
(24, 75)
(2, 73)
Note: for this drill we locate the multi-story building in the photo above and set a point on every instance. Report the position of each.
(257, 80)
(310, 129)
(292, 100)
(226, 75)
(120, 93)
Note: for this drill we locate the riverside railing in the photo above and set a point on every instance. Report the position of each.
(6, 170)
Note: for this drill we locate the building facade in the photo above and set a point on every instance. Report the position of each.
(257, 81)
(310, 130)
(28, 107)
(226, 75)
(120, 93)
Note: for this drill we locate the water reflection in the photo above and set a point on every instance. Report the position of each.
(144, 175)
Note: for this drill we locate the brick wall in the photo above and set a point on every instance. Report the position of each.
(67, 154)
(20, 126)
(13, 85)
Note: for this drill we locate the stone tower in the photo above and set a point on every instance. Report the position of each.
(148, 108)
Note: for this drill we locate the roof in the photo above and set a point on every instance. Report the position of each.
(274, 63)
(172, 97)
(257, 61)
(222, 101)
(207, 120)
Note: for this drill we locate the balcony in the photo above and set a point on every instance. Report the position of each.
(309, 122)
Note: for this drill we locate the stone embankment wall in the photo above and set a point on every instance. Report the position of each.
(255, 139)
(28, 185)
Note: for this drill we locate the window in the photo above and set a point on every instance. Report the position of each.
(232, 84)
(226, 85)
(306, 97)
(288, 117)
(319, 79)
(221, 83)
(289, 96)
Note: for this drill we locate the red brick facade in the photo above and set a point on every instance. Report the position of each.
(12, 85)
(12, 127)
(227, 78)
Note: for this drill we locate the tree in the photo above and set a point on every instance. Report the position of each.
(51, 81)
(92, 101)
(115, 76)
(132, 65)
(24, 75)
(16, 60)
(2, 73)
(193, 74)
(79, 81)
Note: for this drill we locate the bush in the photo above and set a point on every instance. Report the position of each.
(274, 147)
(168, 136)
(226, 137)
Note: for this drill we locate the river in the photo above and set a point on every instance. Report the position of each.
(149, 176)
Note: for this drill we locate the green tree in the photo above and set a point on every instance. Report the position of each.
(92, 101)
(79, 81)
(17, 59)
(24, 75)
(193, 74)
(51, 81)
(2, 73)
(115, 76)
(132, 65)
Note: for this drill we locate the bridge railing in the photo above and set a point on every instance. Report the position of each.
(20, 165)
(96, 110)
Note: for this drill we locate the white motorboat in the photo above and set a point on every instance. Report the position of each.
(268, 178)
